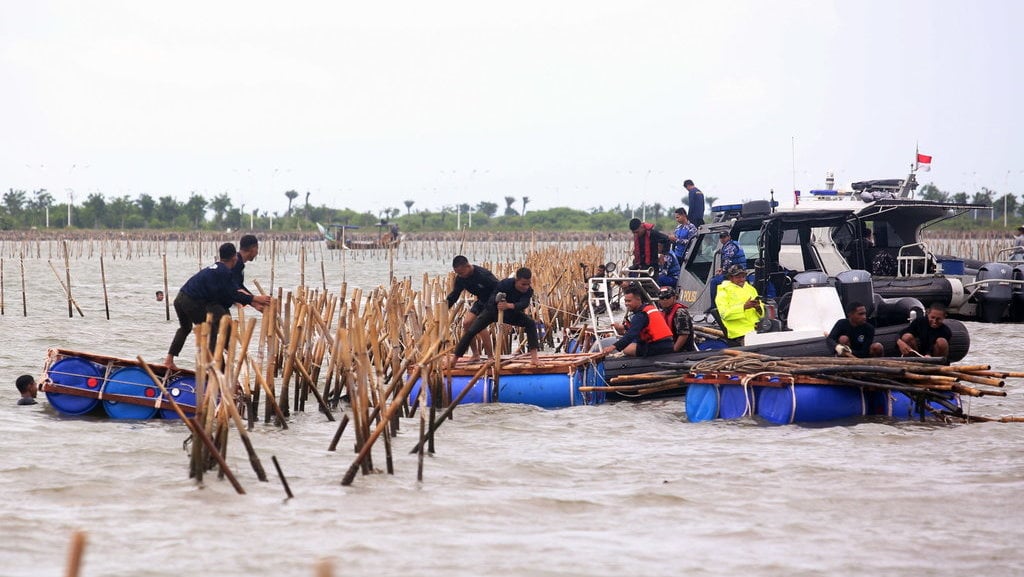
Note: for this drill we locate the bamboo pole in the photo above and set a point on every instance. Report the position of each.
(67, 273)
(24, 300)
(75, 552)
(103, 279)
(167, 293)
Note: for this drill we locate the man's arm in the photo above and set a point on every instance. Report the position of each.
(456, 291)
(637, 323)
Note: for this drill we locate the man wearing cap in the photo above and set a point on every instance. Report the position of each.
(211, 290)
(678, 319)
(647, 244)
(738, 303)
(646, 332)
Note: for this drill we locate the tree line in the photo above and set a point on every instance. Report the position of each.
(39, 209)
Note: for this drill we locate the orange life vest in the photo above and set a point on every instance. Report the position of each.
(656, 329)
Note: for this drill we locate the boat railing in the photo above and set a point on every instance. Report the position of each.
(605, 293)
(1010, 254)
(907, 263)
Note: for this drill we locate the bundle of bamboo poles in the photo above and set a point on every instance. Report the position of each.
(922, 378)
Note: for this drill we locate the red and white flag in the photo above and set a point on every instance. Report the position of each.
(924, 162)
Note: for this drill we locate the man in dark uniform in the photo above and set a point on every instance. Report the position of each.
(927, 335)
(479, 282)
(248, 250)
(855, 333)
(518, 293)
(211, 290)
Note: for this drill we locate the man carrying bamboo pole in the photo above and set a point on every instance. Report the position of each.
(518, 294)
(479, 282)
(211, 290)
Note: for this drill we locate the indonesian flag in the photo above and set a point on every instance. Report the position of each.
(924, 162)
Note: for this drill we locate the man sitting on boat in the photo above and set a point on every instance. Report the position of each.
(684, 233)
(855, 334)
(927, 335)
(730, 254)
(646, 332)
(678, 319)
(739, 305)
(668, 270)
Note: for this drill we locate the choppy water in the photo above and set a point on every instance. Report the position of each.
(617, 489)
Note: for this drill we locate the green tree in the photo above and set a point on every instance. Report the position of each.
(509, 201)
(94, 209)
(167, 210)
(932, 192)
(220, 205)
(487, 208)
(408, 206)
(146, 206)
(118, 212)
(292, 195)
(526, 199)
(195, 210)
(14, 202)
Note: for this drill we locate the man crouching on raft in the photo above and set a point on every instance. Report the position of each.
(518, 293)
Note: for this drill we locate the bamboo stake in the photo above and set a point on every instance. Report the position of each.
(67, 273)
(167, 293)
(75, 553)
(103, 279)
(24, 300)
(66, 290)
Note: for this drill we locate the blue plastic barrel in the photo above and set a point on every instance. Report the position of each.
(900, 406)
(736, 401)
(131, 382)
(79, 373)
(183, 389)
(480, 393)
(712, 345)
(809, 403)
(550, 391)
(593, 376)
(701, 402)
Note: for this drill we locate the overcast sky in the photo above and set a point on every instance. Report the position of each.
(572, 103)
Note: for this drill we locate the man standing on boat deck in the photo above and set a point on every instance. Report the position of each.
(479, 282)
(517, 296)
(739, 305)
(855, 333)
(695, 200)
(647, 244)
(646, 332)
(211, 290)
(927, 335)
(684, 233)
(248, 250)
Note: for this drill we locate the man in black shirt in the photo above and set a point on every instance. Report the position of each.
(928, 335)
(855, 333)
(479, 282)
(518, 296)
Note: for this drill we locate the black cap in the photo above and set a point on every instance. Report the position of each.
(666, 292)
(736, 270)
(723, 234)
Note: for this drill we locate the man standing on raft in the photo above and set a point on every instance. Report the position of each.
(518, 294)
(479, 282)
(211, 290)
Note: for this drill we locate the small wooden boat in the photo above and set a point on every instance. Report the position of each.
(77, 383)
(337, 237)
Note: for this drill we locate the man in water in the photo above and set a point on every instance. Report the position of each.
(211, 290)
(159, 296)
(479, 282)
(27, 387)
(517, 295)
(646, 332)
(855, 333)
(927, 335)
(695, 200)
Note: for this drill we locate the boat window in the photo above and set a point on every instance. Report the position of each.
(748, 240)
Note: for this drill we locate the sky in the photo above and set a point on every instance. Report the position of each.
(571, 103)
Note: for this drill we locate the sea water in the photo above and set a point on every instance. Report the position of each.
(616, 489)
